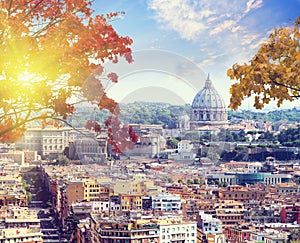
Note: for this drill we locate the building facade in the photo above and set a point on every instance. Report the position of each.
(208, 108)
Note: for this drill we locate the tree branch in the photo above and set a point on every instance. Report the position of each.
(284, 85)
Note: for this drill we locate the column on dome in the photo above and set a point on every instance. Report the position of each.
(195, 115)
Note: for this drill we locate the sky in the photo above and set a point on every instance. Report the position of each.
(178, 43)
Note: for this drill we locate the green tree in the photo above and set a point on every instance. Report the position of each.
(193, 136)
(63, 160)
(189, 181)
(197, 180)
(213, 155)
(172, 143)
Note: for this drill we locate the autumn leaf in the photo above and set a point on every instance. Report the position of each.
(273, 72)
(51, 52)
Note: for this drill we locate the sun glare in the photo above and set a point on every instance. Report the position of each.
(27, 79)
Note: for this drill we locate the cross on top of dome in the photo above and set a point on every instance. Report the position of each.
(208, 83)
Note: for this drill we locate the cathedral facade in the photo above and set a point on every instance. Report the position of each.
(208, 108)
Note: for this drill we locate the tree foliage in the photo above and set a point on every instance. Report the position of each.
(120, 137)
(273, 72)
(172, 143)
(152, 113)
(52, 51)
(291, 115)
(290, 137)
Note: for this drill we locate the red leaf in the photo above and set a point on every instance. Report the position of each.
(113, 77)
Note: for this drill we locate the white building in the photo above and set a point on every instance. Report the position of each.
(47, 142)
(185, 150)
(185, 146)
(18, 224)
(178, 232)
(281, 237)
(166, 202)
(103, 206)
(272, 179)
(207, 224)
(252, 167)
(50, 141)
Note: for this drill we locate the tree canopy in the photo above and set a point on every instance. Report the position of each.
(273, 72)
(52, 55)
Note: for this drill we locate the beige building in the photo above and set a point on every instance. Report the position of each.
(51, 141)
(89, 148)
(127, 186)
(48, 141)
(75, 192)
(230, 212)
(149, 146)
(12, 191)
(285, 188)
(20, 157)
(96, 190)
(130, 202)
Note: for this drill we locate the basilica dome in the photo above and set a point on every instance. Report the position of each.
(208, 107)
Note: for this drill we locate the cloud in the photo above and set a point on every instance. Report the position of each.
(227, 24)
(218, 26)
(211, 60)
(191, 18)
(253, 4)
(180, 16)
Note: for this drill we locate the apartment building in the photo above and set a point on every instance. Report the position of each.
(166, 202)
(12, 191)
(208, 224)
(111, 232)
(179, 232)
(74, 191)
(241, 193)
(105, 206)
(130, 202)
(239, 233)
(96, 190)
(230, 212)
(284, 188)
(127, 186)
(17, 224)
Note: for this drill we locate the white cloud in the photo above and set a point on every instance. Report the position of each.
(227, 24)
(249, 39)
(180, 16)
(253, 4)
(211, 60)
(190, 18)
(217, 26)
